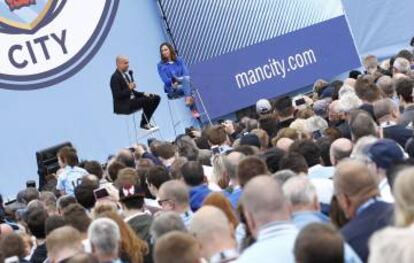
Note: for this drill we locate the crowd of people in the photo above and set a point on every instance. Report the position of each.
(326, 177)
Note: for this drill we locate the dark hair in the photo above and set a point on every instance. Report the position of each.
(36, 218)
(166, 150)
(54, 222)
(250, 167)
(65, 201)
(366, 90)
(68, 155)
(408, 55)
(294, 161)
(284, 106)
(193, 173)
(404, 88)
(94, 167)
(158, 175)
(114, 168)
(325, 146)
(172, 52)
(75, 216)
(216, 135)
(84, 194)
(30, 194)
(272, 158)
(135, 201)
(307, 149)
(319, 243)
(246, 150)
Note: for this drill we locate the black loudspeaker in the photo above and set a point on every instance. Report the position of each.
(47, 162)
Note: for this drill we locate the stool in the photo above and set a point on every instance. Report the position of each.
(138, 134)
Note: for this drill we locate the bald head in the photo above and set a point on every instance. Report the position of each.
(176, 191)
(122, 63)
(384, 108)
(210, 223)
(340, 149)
(355, 179)
(263, 199)
(284, 144)
(5, 230)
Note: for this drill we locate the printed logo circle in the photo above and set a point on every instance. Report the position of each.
(44, 42)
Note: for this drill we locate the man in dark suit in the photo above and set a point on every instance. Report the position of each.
(357, 192)
(126, 99)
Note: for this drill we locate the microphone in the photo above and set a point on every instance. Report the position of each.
(131, 75)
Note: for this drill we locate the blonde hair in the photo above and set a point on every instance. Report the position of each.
(404, 197)
(263, 137)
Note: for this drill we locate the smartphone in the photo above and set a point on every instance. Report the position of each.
(100, 193)
(299, 102)
(31, 183)
(216, 150)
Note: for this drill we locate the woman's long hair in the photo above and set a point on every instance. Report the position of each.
(173, 54)
(132, 248)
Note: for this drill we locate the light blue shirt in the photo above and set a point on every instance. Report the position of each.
(68, 179)
(319, 171)
(186, 217)
(274, 244)
(302, 219)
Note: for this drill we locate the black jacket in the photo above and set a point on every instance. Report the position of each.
(121, 94)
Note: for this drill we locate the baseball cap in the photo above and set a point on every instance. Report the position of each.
(250, 139)
(263, 106)
(385, 152)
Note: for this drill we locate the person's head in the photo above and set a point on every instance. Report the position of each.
(54, 222)
(231, 161)
(301, 194)
(166, 151)
(371, 64)
(122, 63)
(367, 92)
(127, 177)
(362, 125)
(216, 135)
(212, 230)
(187, 148)
(319, 243)
(12, 245)
(284, 107)
(404, 198)
(386, 110)
(84, 194)
(263, 202)
(126, 157)
(156, 176)
(250, 167)
(392, 244)
(165, 223)
(340, 149)
(49, 201)
(67, 156)
(130, 245)
(30, 194)
(404, 88)
(272, 158)
(63, 243)
(218, 200)
(401, 65)
(5, 230)
(407, 54)
(386, 86)
(295, 162)
(354, 184)
(193, 173)
(308, 149)
(105, 238)
(65, 201)
(167, 52)
(177, 247)
(173, 196)
(95, 168)
(284, 144)
(76, 216)
(263, 107)
(385, 153)
(83, 258)
(36, 218)
(113, 168)
(263, 138)
(283, 176)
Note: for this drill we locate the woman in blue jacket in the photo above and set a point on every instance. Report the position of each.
(176, 77)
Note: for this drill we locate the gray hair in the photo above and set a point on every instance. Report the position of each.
(316, 123)
(392, 244)
(348, 102)
(299, 191)
(283, 176)
(402, 65)
(105, 235)
(166, 222)
(384, 107)
(386, 85)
